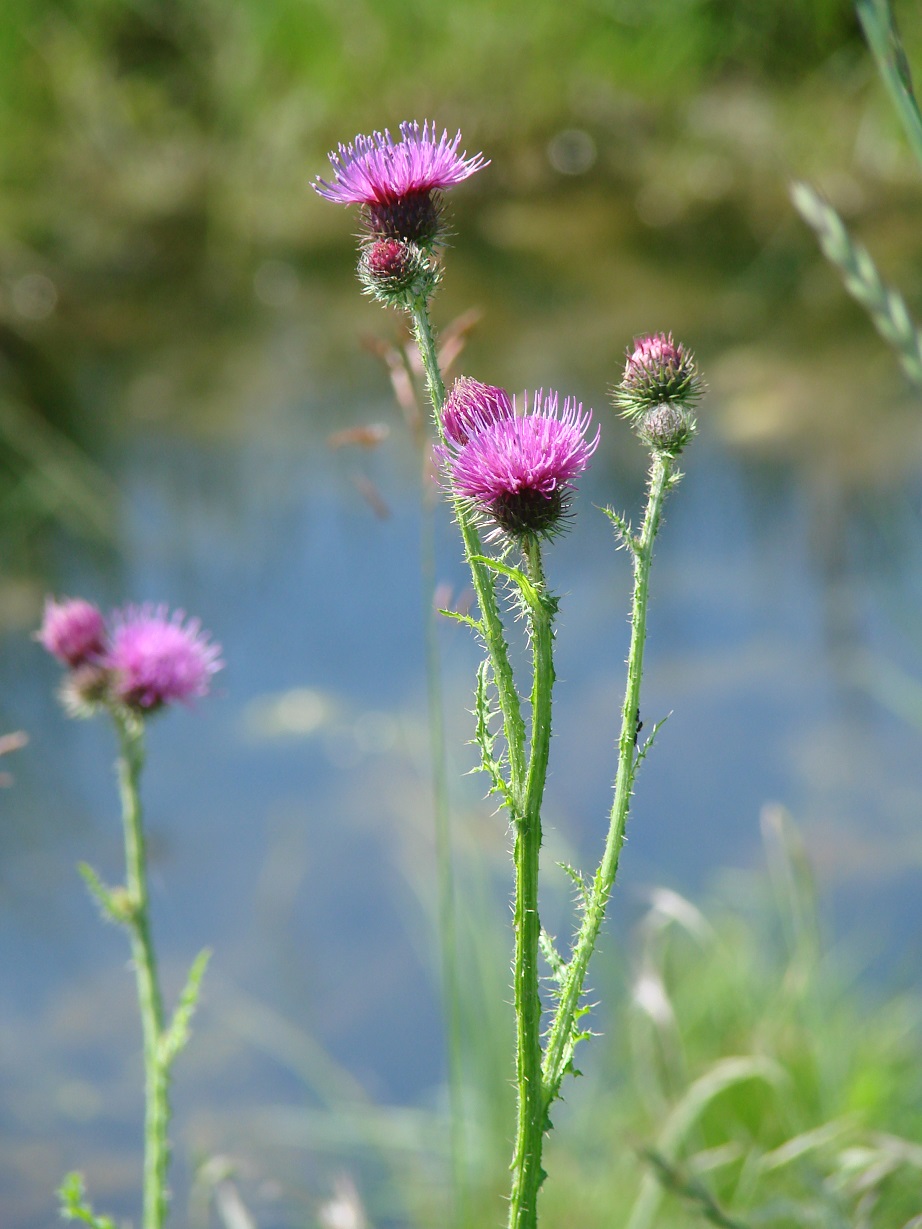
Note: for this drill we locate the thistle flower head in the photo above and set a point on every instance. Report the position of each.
(657, 370)
(73, 630)
(470, 407)
(394, 181)
(156, 658)
(519, 470)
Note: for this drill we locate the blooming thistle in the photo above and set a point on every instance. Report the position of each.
(518, 471)
(394, 181)
(156, 658)
(73, 631)
(470, 407)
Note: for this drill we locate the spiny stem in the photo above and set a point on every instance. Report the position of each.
(561, 1038)
(527, 1173)
(156, 1074)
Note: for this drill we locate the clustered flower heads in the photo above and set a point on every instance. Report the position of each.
(142, 658)
(517, 470)
(658, 392)
(395, 181)
(399, 186)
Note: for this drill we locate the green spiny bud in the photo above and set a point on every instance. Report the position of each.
(657, 371)
(666, 428)
(397, 272)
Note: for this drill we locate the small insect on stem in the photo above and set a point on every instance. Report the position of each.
(638, 725)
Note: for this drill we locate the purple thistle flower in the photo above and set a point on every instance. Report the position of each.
(73, 630)
(394, 180)
(157, 658)
(520, 470)
(470, 407)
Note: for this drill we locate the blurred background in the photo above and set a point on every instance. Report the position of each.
(183, 345)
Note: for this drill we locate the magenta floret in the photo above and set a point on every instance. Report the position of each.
(73, 630)
(520, 470)
(470, 407)
(378, 169)
(157, 658)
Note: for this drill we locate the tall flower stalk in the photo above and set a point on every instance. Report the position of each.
(136, 664)
(509, 476)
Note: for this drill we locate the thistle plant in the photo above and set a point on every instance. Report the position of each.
(130, 667)
(509, 475)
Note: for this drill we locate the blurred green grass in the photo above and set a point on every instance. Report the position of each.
(749, 1071)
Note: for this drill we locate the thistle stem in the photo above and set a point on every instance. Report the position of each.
(137, 919)
(561, 1037)
(527, 1173)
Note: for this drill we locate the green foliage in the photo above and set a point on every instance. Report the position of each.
(745, 1076)
(883, 304)
(74, 1205)
(176, 1036)
(762, 1084)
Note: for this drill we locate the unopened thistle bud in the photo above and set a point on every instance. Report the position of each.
(85, 690)
(73, 631)
(397, 272)
(657, 371)
(666, 428)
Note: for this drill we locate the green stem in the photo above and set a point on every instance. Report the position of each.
(561, 1038)
(527, 1173)
(484, 588)
(156, 1075)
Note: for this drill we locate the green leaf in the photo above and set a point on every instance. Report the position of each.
(556, 962)
(463, 618)
(880, 29)
(74, 1205)
(114, 903)
(176, 1036)
(622, 528)
(578, 880)
(526, 588)
(484, 738)
(691, 1189)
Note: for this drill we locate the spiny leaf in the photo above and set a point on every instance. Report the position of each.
(463, 618)
(74, 1205)
(556, 962)
(622, 528)
(648, 743)
(114, 903)
(483, 736)
(578, 880)
(524, 585)
(177, 1035)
